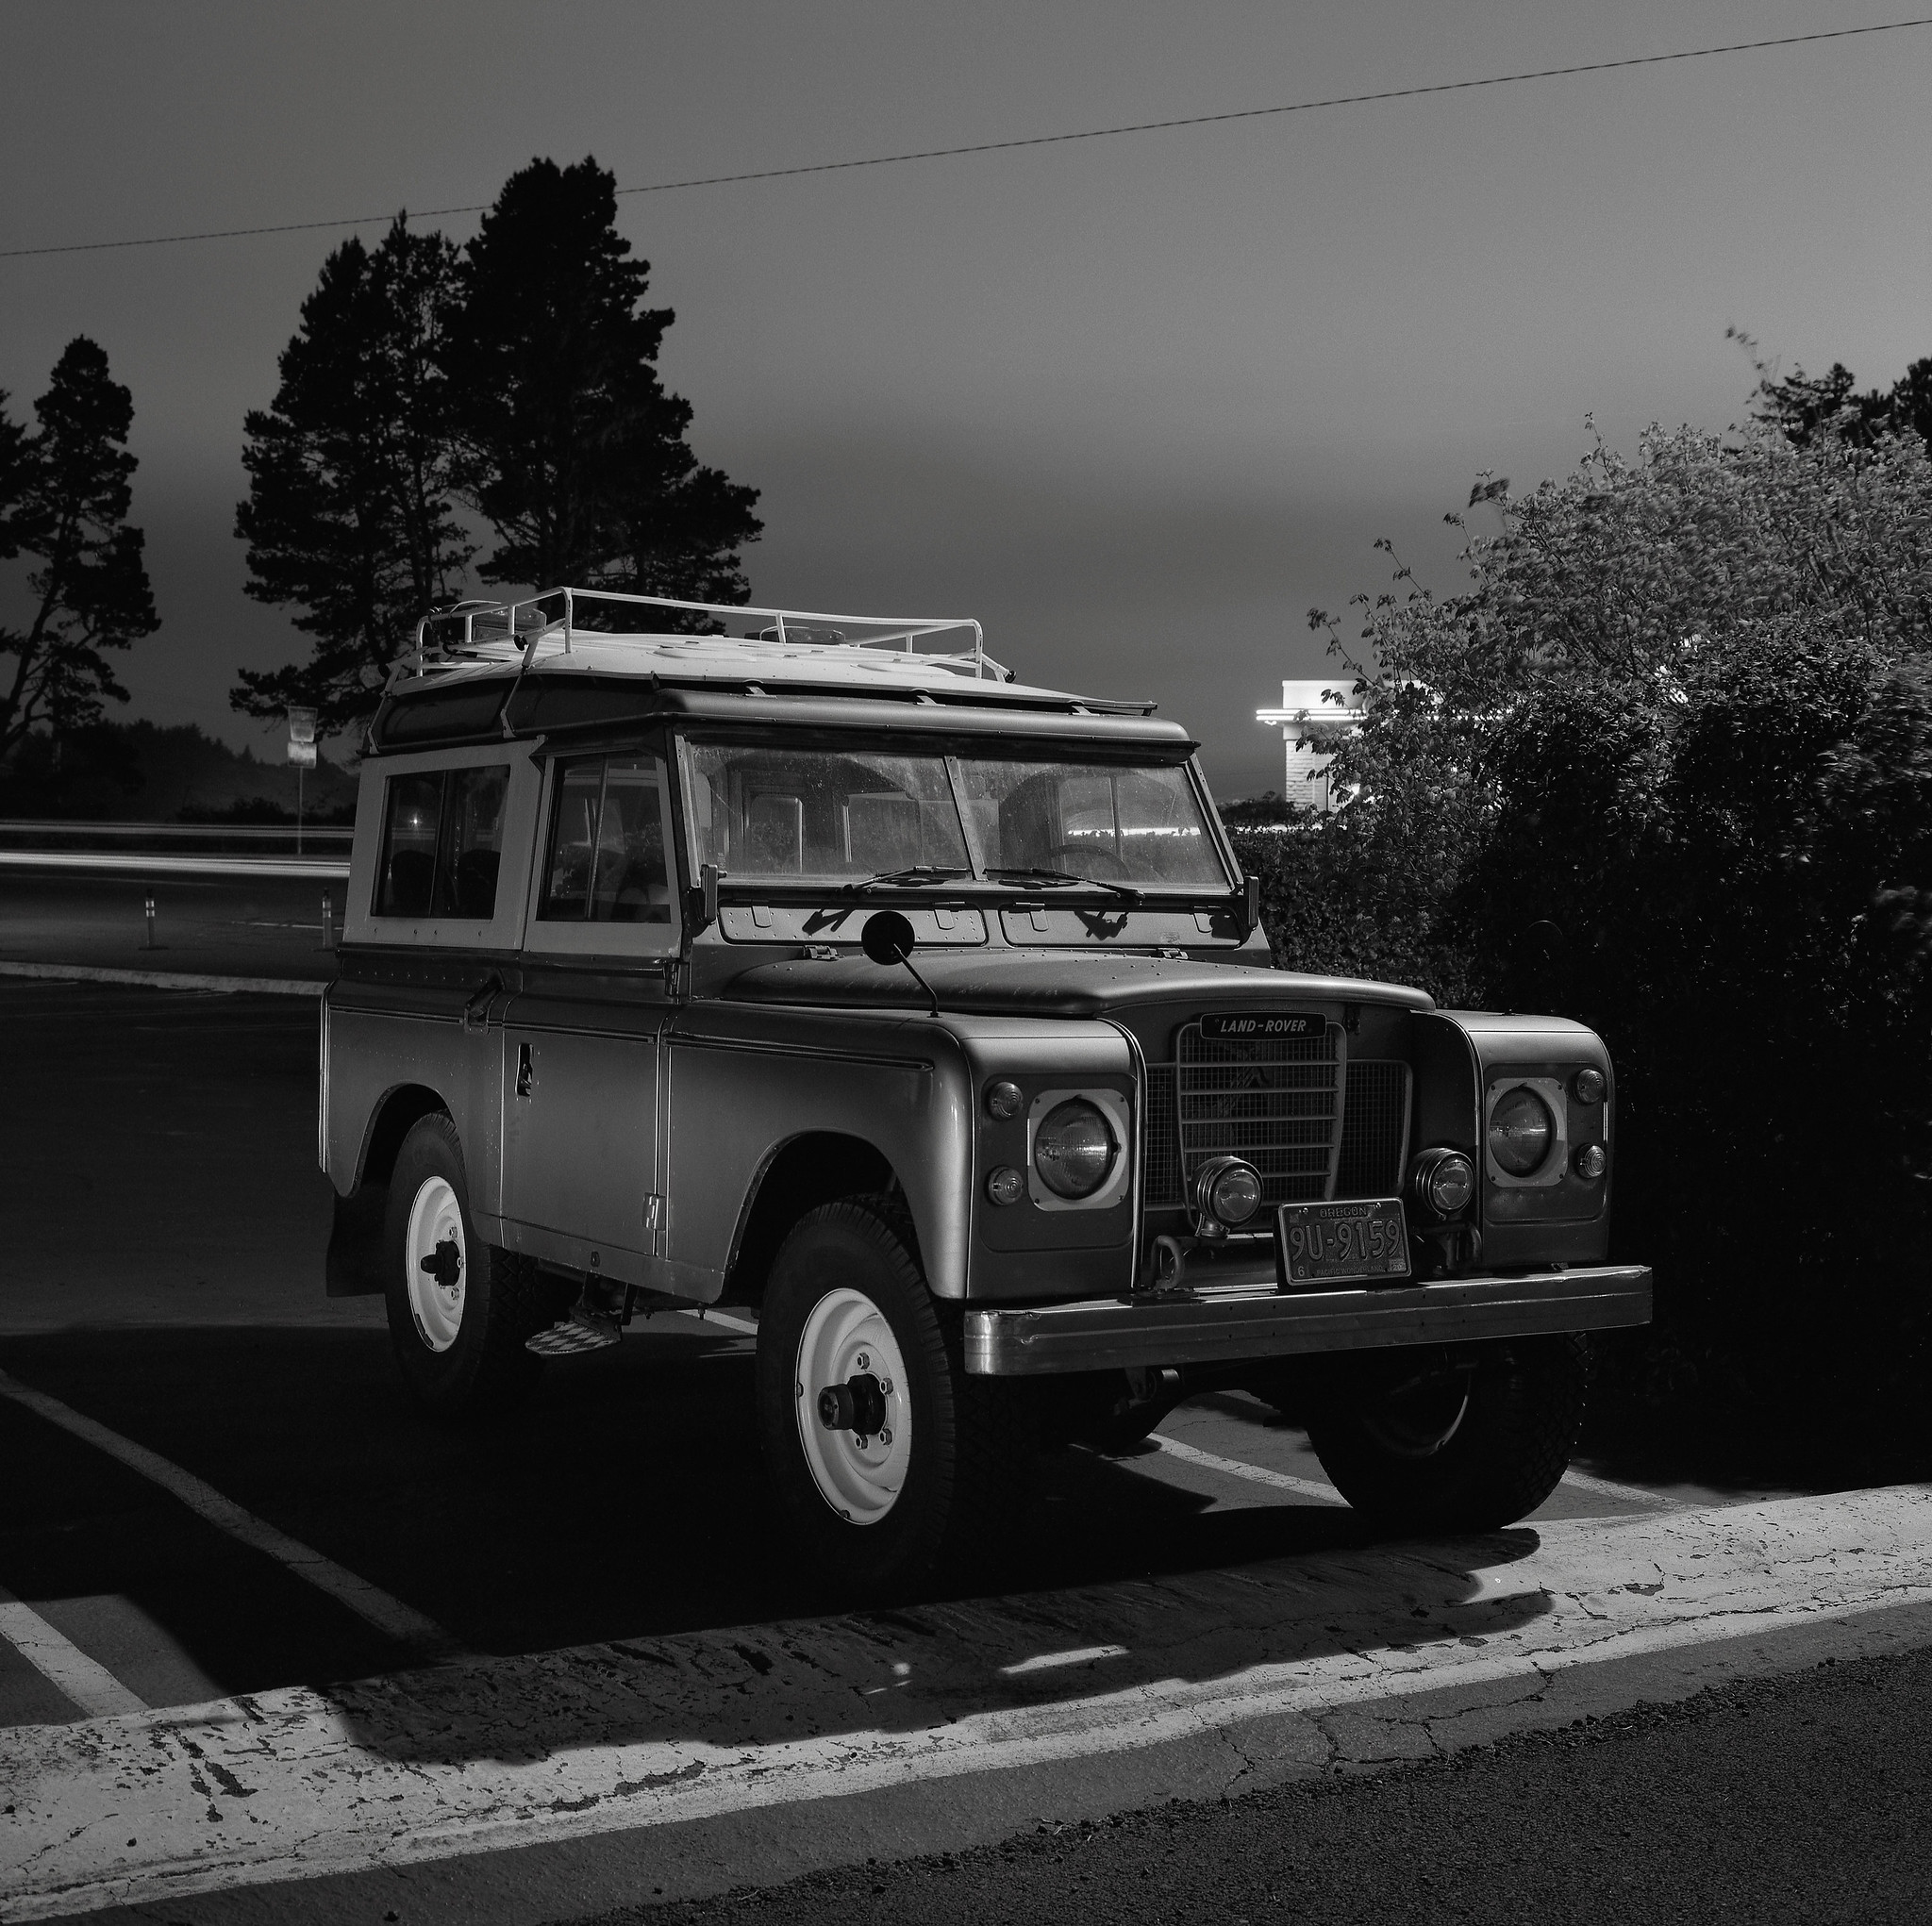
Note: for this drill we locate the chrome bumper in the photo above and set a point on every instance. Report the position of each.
(1255, 1320)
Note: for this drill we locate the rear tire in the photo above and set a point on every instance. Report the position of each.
(1453, 1439)
(939, 1474)
(458, 1330)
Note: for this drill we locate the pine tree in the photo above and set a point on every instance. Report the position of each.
(350, 515)
(64, 495)
(574, 452)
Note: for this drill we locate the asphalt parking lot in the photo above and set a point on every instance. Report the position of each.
(165, 1224)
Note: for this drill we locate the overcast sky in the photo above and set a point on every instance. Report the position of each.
(1134, 403)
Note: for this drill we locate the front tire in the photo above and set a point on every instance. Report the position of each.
(1453, 1439)
(920, 1466)
(458, 1310)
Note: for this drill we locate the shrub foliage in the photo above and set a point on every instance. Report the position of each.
(1666, 767)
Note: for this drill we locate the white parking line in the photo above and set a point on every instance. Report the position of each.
(1254, 1474)
(92, 1686)
(371, 1604)
(165, 979)
(495, 1754)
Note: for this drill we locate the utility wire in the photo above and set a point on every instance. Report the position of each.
(1251, 113)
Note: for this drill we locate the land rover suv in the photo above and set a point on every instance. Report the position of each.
(814, 966)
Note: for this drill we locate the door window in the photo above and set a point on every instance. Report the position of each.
(605, 862)
(442, 844)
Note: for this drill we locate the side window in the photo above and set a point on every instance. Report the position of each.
(442, 844)
(407, 876)
(605, 862)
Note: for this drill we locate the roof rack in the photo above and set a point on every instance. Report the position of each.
(502, 631)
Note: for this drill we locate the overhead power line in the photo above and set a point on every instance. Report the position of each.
(1249, 113)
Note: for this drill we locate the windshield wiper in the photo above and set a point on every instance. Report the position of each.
(905, 879)
(1059, 878)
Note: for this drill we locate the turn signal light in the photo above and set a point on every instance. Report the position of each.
(1004, 1100)
(1588, 1085)
(1005, 1185)
(1591, 1160)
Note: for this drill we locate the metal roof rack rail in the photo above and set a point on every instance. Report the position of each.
(476, 631)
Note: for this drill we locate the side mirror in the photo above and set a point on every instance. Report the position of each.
(888, 938)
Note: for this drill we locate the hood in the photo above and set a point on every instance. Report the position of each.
(1057, 983)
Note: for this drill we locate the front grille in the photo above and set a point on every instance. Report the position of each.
(1275, 1102)
(1374, 1123)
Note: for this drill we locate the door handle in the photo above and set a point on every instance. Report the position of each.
(476, 1012)
(525, 1070)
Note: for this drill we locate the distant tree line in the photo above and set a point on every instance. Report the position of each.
(434, 393)
(492, 410)
(1666, 766)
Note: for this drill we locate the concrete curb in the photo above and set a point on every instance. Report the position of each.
(165, 979)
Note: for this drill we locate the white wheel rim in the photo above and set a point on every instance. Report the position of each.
(436, 1218)
(846, 1336)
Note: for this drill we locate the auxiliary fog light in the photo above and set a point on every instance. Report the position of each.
(1228, 1190)
(1443, 1182)
(1074, 1148)
(1005, 1184)
(1591, 1160)
(1520, 1132)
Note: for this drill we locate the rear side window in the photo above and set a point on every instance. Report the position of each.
(606, 861)
(442, 844)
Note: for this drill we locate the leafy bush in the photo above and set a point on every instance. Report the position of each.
(1667, 766)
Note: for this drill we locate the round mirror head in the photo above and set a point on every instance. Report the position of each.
(887, 937)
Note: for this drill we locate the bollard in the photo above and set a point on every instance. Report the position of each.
(150, 906)
(328, 923)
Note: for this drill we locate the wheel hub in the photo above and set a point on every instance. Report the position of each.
(855, 1413)
(434, 1260)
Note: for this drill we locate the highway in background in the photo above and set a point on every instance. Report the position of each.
(571, 1667)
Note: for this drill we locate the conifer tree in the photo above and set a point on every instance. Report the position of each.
(573, 450)
(64, 495)
(351, 516)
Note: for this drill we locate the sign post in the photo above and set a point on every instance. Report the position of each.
(302, 753)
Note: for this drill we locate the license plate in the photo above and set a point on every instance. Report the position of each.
(1364, 1240)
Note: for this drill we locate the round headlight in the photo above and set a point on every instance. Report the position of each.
(1074, 1148)
(1229, 1190)
(1588, 1085)
(1520, 1132)
(1004, 1100)
(1004, 1185)
(1444, 1182)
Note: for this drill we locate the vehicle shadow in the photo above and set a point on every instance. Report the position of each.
(625, 1509)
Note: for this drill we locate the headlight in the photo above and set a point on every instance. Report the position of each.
(1228, 1190)
(1074, 1148)
(1443, 1182)
(1520, 1132)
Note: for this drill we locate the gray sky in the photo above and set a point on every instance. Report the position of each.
(1134, 403)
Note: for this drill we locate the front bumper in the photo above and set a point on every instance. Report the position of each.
(1253, 1318)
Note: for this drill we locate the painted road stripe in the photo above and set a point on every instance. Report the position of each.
(511, 1753)
(375, 1607)
(163, 979)
(131, 862)
(1254, 1474)
(91, 1685)
(1634, 1496)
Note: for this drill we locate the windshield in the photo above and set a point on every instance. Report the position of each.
(766, 813)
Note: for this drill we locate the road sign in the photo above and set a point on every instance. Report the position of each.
(302, 754)
(301, 725)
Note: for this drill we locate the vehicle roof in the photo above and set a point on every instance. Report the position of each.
(556, 675)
